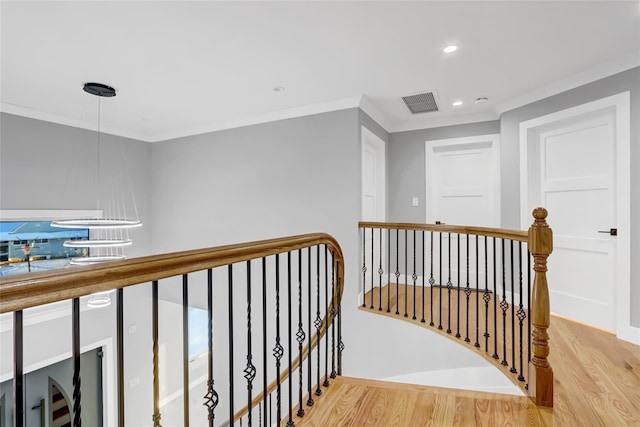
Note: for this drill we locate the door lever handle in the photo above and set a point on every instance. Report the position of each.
(611, 231)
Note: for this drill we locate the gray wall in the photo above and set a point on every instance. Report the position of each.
(46, 166)
(406, 161)
(510, 128)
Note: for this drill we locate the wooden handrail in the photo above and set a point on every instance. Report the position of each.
(540, 372)
(517, 235)
(33, 289)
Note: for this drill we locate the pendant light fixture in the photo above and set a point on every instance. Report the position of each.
(108, 235)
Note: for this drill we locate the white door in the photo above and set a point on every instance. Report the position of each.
(463, 181)
(373, 203)
(571, 163)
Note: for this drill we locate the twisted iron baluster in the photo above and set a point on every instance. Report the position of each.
(397, 270)
(77, 417)
(156, 376)
(431, 283)
(467, 292)
(318, 321)
(300, 335)
(326, 316)
(513, 316)
(278, 351)
(414, 276)
(290, 422)
(495, 304)
(249, 370)
(364, 267)
(388, 270)
(477, 343)
(504, 305)
(185, 349)
(334, 313)
(440, 283)
(380, 273)
(423, 278)
(458, 291)
(372, 242)
(211, 398)
(340, 342)
(486, 297)
(449, 286)
(521, 313)
(310, 355)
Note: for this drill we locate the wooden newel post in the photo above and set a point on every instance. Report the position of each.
(540, 372)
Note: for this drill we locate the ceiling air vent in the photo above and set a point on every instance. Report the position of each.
(421, 103)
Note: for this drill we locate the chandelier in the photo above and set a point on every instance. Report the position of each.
(108, 235)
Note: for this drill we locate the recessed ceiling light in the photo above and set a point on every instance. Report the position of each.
(278, 89)
(457, 103)
(450, 49)
(481, 99)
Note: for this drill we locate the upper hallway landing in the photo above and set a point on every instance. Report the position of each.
(597, 383)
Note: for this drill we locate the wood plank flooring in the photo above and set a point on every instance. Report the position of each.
(596, 383)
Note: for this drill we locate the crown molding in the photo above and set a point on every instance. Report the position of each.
(601, 71)
(290, 113)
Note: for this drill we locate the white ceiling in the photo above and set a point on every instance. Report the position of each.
(183, 68)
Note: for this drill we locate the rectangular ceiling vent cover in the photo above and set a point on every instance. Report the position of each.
(421, 103)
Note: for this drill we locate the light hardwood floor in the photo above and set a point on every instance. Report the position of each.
(596, 383)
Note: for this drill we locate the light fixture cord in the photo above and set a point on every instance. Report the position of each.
(99, 189)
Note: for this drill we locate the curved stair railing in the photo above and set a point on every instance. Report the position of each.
(475, 285)
(282, 338)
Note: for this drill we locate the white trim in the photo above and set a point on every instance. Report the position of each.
(602, 71)
(38, 214)
(620, 103)
(493, 140)
(372, 140)
(374, 112)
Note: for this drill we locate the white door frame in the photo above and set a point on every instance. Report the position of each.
(372, 140)
(493, 140)
(620, 105)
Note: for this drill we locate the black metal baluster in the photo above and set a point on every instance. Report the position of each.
(277, 350)
(431, 283)
(326, 316)
(440, 283)
(513, 316)
(231, 371)
(211, 398)
(521, 313)
(77, 395)
(290, 423)
(380, 273)
(477, 343)
(264, 338)
(18, 368)
(334, 313)
(397, 270)
(495, 304)
(458, 292)
(309, 324)
(249, 370)
(388, 270)
(406, 270)
(120, 353)
(340, 342)
(318, 321)
(487, 296)
(156, 362)
(467, 292)
(372, 242)
(185, 349)
(414, 276)
(504, 305)
(424, 275)
(364, 268)
(300, 335)
(449, 286)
